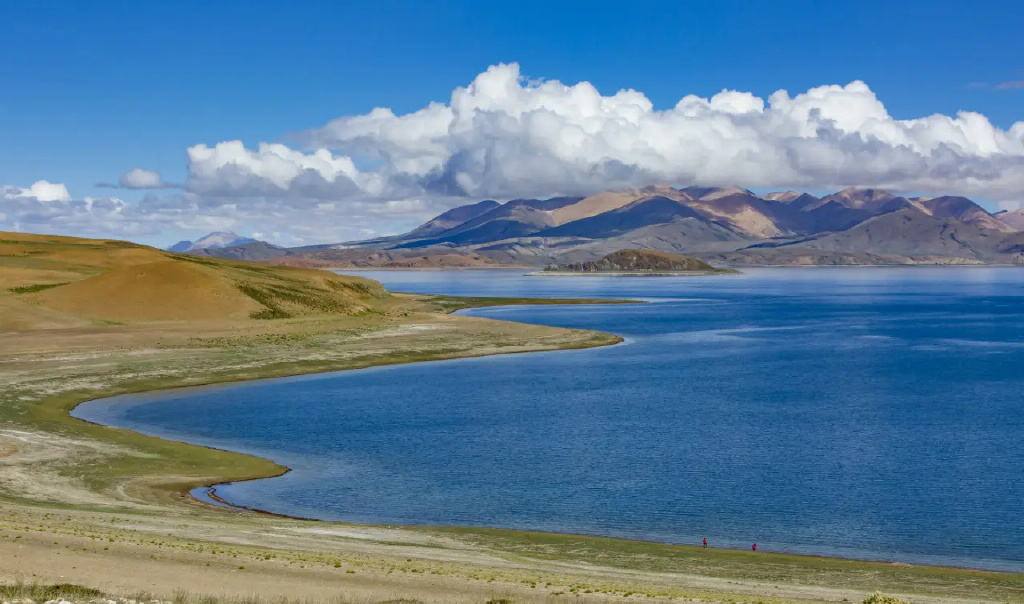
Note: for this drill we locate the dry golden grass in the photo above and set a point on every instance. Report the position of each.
(166, 289)
(67, 282)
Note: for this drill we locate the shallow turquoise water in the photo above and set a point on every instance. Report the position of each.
(874, 413)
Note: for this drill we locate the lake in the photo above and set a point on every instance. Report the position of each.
(860, 412)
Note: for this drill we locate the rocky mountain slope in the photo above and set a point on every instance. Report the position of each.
(721, 224)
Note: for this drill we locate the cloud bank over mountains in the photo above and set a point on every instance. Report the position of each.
(504, 136)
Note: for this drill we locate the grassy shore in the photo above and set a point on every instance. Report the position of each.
(108, 509)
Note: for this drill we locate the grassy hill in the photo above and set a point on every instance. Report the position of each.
(66, 281)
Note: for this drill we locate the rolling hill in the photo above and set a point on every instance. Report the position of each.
(66, 281)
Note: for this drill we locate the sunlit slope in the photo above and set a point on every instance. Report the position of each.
(48, 281)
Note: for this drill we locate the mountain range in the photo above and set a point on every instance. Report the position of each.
(722, 225)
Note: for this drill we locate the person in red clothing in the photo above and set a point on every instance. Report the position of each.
(705, 542)
(754, 547)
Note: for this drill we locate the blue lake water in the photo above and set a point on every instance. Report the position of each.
(870, 413)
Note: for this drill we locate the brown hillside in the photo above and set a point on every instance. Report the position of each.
(165, 289)
(64, 281)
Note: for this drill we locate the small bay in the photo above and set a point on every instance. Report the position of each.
(870, 413)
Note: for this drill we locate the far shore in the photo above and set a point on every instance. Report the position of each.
(631, 273)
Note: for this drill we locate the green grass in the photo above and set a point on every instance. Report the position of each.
(451, 304)
(781, 569)
(281, 300)
(38, 287)
(41, 593)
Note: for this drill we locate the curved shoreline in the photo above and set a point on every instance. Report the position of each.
(223, 503)
(211, 486)
(452, 305)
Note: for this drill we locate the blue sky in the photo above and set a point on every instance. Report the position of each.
(94, 89)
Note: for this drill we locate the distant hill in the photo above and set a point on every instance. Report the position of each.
(212, 241)
(250, 250)
(729, 225)
(639, 261)
(1014, 219)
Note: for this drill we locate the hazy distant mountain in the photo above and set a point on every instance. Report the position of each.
(910, 232)
(875, 201)
(452, 218)
(965, 210)
(219, 239)
(783, 195)
(251, 250)
(215, 240)
(1014, 219)
(517, 218)
(728, 225)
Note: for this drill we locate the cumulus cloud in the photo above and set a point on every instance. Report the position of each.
(39, 191)
(273, 170)
(505, 136)
(137, 178)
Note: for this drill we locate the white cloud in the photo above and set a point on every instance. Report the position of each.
(273, 170)
(40, 191)
(504, 136)
(137, 178)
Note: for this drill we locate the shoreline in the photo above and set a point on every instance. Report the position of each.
(222, 503)
(211, 486)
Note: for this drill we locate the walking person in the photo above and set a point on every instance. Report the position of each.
(705, 542)
(754, 547)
